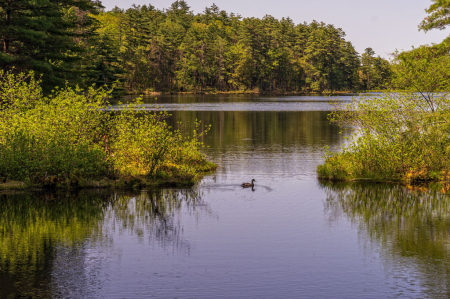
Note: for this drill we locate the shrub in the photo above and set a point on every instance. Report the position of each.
(398, 136)
(71, 135)
(143, 143)
(50, 136)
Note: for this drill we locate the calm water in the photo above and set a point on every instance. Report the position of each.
(290, 237)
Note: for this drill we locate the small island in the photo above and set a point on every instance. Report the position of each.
(71, 138)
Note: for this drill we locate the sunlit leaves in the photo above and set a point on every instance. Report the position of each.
(399, 136)
(438, 16)
(72, 135)
(175, 50)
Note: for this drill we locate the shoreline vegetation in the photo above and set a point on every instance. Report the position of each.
(251, 92)
(69, 139)
(401, 135)
(397, 137)
(64, 137)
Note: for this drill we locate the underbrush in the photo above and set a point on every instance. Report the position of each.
(70, 139)
(398, 137)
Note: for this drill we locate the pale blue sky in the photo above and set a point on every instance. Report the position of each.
(384, 25)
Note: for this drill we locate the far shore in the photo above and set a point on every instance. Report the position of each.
(250, 92)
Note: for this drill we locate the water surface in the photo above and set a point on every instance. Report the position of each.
(290, 237)
(243, 102)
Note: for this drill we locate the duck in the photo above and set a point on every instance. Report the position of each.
(248, 185)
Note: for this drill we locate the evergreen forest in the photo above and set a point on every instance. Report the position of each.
(143, 49)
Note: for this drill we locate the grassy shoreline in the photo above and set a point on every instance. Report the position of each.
(406, 180)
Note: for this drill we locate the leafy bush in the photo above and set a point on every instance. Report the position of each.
(50, 136)
(399, 136)
(71, 135)
(425, 69)
(143, 143)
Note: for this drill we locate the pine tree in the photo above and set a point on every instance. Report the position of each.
(175, 50)
(45, 36)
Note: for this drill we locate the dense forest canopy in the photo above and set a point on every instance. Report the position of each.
(173, 50)
(177, 50)
(47, 36)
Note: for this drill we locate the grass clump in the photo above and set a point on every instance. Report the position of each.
(69, 138)
(401, 136)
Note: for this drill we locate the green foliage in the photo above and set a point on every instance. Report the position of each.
(50, 136)
(398, 136)
(70, 136)
(46, 36)
(143, 144)
(438, 16)
(425, 69)
(375, 72)
(175, 50)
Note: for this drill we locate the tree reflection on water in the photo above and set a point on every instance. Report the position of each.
(410, 226)
(43, 235)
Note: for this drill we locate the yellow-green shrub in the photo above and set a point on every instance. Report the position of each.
(398, 136)
(72, 134)
(142, 144)
(50, 136)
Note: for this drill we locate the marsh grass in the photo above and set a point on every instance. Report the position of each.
(69, 139)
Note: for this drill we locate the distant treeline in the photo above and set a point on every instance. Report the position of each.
(172, 50)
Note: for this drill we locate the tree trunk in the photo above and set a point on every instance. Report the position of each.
(6, 39)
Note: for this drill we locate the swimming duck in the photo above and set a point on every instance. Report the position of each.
(248, 185)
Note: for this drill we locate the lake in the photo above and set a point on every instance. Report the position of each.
(291, 236)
